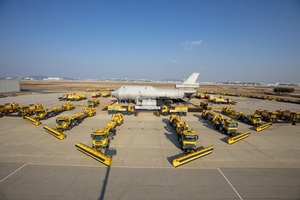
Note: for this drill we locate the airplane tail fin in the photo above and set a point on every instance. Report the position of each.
(189, 83)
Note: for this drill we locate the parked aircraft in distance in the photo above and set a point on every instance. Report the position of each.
(151, 96)
(273, 84)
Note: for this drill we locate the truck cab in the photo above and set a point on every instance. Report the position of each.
(188, 140)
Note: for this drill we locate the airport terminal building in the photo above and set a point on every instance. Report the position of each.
(9, 85)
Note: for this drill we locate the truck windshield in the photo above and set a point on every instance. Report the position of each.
(38, 112)
(60, 122)
(232, 125)
(99, 137)
(256, 118)
(191, 138)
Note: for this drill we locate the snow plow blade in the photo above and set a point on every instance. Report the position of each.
(263, 127)
(198, 153)
(55, 133)
(238, 137)
(33, 121)
(97, 155)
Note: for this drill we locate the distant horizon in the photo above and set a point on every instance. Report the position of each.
(151, 80)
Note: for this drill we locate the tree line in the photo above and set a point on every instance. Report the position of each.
(282, 90)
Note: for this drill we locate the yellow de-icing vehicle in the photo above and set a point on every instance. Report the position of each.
(188, 142)
(64, 123)
(125, 110)
(179, 110)
(101, 139)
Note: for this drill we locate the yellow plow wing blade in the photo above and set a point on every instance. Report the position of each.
(97, 155)
(192, 156)
(55, 133)
(263, 127)
(33, 121)
(238, 137)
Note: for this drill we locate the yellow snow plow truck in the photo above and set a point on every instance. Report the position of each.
(187, 141)
(226, 126)
(64, 123)
(101, 139)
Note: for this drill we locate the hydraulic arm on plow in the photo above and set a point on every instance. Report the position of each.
(101, 139)
(188, 142)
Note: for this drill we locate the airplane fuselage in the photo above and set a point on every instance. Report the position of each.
(128, 93)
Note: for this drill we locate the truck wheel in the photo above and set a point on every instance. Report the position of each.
(165, 113)
(223, 131)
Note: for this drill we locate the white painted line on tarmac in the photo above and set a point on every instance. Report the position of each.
(120, 166)
(230, 184)
(13, 172)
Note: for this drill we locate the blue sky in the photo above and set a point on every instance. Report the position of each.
(240, 40)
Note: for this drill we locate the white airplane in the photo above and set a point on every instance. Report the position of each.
(273, 84)
(153, 96)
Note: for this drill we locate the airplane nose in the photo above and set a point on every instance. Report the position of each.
(114, 93)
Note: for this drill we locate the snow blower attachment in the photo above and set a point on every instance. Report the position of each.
(238, 137)
(59, 135)
(263, 126)
(97, 155)
(192, 155)
(32, 120)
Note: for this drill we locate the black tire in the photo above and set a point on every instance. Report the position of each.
(165, 114)
(113, 130)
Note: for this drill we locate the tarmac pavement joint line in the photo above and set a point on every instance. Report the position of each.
(13, 172)
(230, 184)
